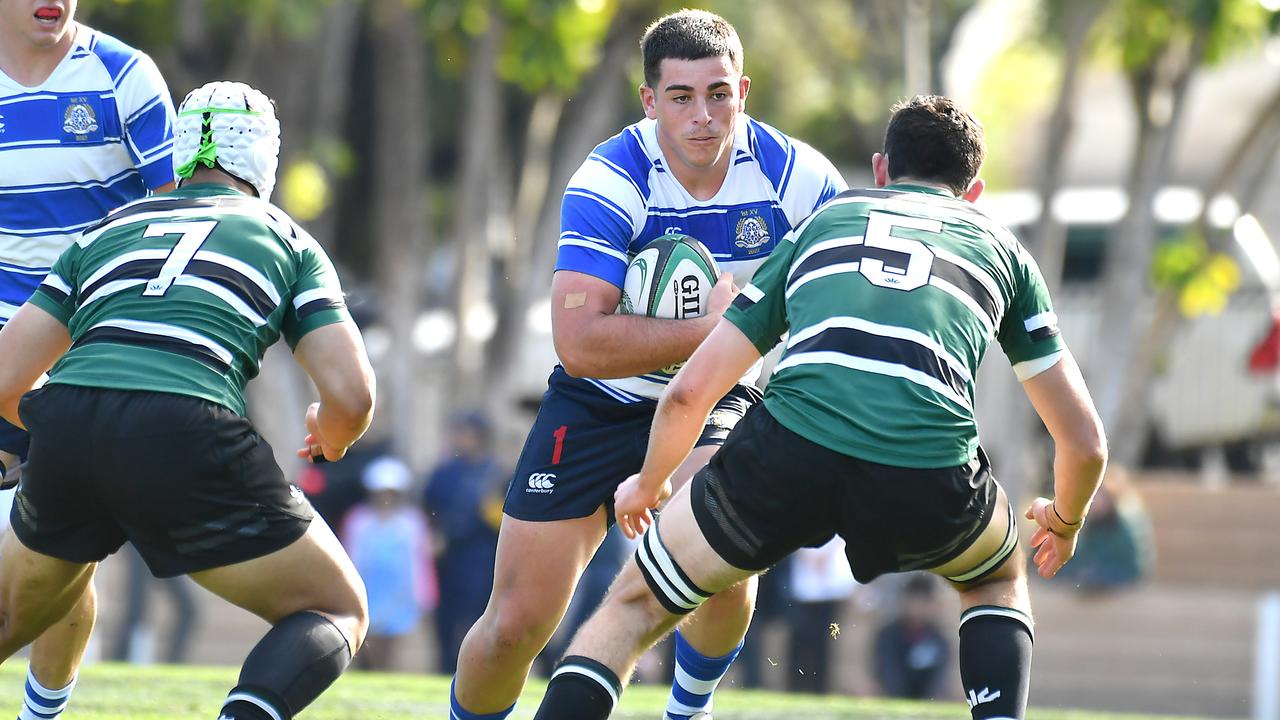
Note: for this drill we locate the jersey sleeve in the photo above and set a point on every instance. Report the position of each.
(598, 220)
(148, 114)
(56, 293)
(760, 310)
(317, 298)
(1029, 331)
(813, 182)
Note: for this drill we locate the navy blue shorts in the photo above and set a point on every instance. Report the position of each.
(584, 443)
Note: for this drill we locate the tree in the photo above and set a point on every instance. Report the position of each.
(1162, 44)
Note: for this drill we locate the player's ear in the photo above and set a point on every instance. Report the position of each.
(744, 87)
(880, 169)
(975, 190)
(648, 100)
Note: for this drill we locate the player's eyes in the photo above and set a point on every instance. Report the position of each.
(719, 97)
(682, 99)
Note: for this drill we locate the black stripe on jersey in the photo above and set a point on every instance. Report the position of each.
(970, 286)
(742, 302)
(54, 293)
(1044, 333)
(243, 288)
(859, 343)
(943, 269)
(315, 306)
(167, 204)
(121, 336)
(133, 269)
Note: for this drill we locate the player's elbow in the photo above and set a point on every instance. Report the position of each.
(1088, 444)
(352, 401)
(574, 358)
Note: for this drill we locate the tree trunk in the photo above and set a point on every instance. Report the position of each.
(333, 54)
(1120, 364)
(546, 169)
(401, 234)
(481, 128)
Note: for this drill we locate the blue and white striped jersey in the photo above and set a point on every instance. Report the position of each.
(96, 135)
(623, 196)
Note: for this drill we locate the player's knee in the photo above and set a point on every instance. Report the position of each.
(518, 625)
(737, 600)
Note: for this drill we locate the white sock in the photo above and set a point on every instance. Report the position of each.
(41, 703)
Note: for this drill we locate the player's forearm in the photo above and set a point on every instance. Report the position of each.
(618, 346)
(676, 426)
(1077, 476)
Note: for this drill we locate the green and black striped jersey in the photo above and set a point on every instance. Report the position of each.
(184, 292)
(891, 297)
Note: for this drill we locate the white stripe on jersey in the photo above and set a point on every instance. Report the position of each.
(594, 245)
(111, 288)
(7, 311)
(57, 283)
(115, 262)
(165, 330)
(827, 357)
(890, 331)
(312, 295)
(223, 294)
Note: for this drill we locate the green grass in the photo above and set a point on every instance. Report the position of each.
(124, 692)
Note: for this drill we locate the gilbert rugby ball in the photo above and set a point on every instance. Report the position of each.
(671, 277)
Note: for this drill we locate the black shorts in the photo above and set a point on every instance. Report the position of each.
(769, 492)
(191, 484)
(584, 443)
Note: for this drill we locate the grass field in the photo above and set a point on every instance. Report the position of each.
(125, 692)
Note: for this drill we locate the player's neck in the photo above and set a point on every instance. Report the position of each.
(922, 183)
(212, 176)
(31, 65)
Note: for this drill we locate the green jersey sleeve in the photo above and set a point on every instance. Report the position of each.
(760, 310)
(316, 296)
(1029, 330)
(56, 293)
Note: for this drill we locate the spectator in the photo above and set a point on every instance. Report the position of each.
(1118, 548)
(463, 498)
(389, 544)
(821, 583)
(911, 651)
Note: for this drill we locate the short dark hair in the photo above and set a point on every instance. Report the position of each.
(930, 137)
(688, 35)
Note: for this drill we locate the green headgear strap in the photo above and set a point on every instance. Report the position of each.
(207, 154)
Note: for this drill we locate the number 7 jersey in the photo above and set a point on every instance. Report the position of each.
(891, 298)
(184, 292)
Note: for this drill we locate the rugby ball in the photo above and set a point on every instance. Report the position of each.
(671, 277)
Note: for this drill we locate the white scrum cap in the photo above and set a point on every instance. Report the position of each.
(232, 125)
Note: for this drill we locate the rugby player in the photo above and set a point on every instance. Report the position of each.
(697, 165)
(156, 318)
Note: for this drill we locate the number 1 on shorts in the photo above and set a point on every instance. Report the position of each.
(559, 436)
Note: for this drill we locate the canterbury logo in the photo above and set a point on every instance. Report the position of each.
(978, 698)
(541, 483)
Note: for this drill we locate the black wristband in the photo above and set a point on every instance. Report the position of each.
(1054, 505)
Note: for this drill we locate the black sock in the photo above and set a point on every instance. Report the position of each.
(995, 661)
(292, 664)
(580, 689)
